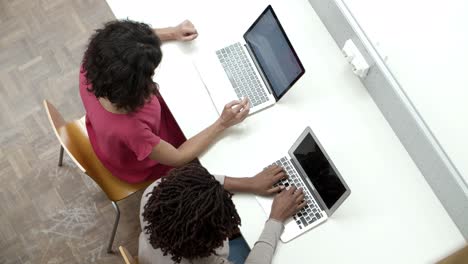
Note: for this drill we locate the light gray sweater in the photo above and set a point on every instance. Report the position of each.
(261, 253)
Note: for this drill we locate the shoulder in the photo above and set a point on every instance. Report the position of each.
(151, 107)
(144, 199)
(148, 190)
(137, 127)
(147, 117)
(147, 193)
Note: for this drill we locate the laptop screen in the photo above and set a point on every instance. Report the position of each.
(319, 170)
(274, 53)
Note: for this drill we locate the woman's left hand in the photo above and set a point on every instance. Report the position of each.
(262, 183)
(185, 31)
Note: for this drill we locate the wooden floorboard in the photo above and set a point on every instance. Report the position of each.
(49, 214)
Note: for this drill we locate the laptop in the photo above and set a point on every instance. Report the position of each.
(309, 167)
(263, 66)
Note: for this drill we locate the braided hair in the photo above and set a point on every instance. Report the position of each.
(189, 214)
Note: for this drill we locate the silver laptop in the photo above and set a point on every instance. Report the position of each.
(263, 66)
(310, 168)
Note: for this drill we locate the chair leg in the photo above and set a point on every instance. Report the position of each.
(61, 157)
(114, 229)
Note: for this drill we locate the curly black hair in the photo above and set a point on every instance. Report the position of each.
(119, 63)
(189, 214)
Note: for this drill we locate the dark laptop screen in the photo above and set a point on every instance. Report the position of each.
(274, 52)
(320, 172)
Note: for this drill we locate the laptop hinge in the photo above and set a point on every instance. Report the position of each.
(259, 69)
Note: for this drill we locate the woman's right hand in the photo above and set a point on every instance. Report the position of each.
(234, 113)
(287, 203)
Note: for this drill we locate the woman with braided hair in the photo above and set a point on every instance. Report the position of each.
(188, 216)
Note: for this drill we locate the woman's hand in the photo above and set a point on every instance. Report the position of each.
(262, 183)
(234, 113)
(185, 31)
(287, 203)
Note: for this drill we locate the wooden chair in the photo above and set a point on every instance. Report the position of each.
(127, 257)
(73, 138)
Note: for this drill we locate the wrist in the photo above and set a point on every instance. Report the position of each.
(172, 33)
(276, 219)
(219, 126)
(249, 184)
(238, 184)
(166, 34)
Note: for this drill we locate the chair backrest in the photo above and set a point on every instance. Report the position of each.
(126, 256)
(74, 139)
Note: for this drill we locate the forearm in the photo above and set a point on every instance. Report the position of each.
(238, 184)
(165, 34)
(197, 144)
(264, 248)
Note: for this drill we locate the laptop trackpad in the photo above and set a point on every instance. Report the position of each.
(265, 203)
(215, 79)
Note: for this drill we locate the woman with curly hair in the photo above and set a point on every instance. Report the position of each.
(129, 125)
(188, 216)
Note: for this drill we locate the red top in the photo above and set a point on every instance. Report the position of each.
(123, 142)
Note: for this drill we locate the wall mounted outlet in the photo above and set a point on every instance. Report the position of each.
(354, 57)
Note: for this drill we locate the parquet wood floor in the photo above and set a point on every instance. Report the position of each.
(49, 214)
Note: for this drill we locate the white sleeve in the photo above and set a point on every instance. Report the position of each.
(220, 178)
(264, 248)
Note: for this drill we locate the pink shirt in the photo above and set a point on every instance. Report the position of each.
(123, 142)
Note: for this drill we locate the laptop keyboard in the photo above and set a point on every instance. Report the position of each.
(241, 74)
(311, 212)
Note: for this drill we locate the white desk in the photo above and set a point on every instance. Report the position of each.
(392, 216)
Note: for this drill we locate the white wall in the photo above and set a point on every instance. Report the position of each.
(426, 43)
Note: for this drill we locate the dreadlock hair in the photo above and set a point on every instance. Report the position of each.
(119, 63)
(189, 214)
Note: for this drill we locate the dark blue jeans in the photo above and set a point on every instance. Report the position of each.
(238, 250)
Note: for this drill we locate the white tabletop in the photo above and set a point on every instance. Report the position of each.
(392, 215)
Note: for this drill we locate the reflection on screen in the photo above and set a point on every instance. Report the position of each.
(319, 171)
(273, 53)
